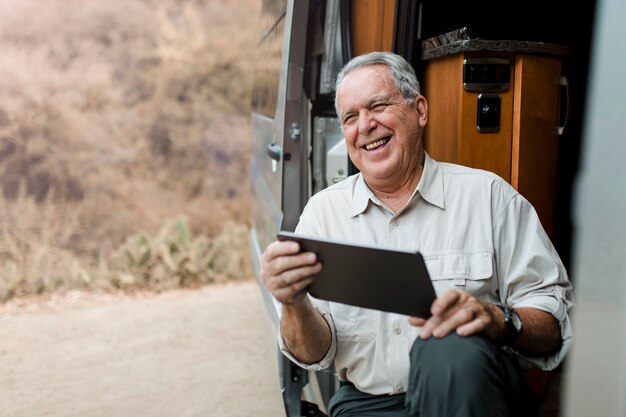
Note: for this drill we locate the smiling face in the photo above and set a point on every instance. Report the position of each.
(383, 133)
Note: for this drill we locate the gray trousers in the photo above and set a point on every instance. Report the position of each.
(449, 377)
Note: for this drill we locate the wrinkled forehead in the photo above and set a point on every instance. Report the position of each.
(371, 72)
(365, 83)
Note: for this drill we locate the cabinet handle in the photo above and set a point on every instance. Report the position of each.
(564, 87)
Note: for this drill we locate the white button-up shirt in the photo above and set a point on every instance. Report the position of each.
(475, 232)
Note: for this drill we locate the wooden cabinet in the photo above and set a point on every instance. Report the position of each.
(524, 149)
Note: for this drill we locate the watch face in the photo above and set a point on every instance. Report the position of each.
(513, 323)
(517, 322)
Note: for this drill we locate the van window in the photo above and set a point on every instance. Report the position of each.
(267, 66)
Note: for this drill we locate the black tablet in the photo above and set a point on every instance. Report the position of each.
(370, 277)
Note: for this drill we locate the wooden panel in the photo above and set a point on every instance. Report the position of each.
(442, 86)
(488, 151)
(372, 25)
(525, 150)
(535, 140)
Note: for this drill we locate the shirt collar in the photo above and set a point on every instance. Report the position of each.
(430, 188)
(431, 184)
(362, 196)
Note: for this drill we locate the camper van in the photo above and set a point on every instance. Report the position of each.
(507, 91)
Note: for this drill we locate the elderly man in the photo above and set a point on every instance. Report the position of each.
(503, 294)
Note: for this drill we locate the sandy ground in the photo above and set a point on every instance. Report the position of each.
(207, 352)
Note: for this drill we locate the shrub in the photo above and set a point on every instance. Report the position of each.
(173, 258)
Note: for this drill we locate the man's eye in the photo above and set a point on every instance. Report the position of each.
(348, 120)
(379, 106)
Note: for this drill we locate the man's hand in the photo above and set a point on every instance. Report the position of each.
(287, 271)
(459, 311)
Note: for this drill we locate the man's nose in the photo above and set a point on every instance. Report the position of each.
(366, 121)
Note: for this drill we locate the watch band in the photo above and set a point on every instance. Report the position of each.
(512, 323)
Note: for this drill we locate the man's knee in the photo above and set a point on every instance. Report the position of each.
(460, 376)
(453, 354)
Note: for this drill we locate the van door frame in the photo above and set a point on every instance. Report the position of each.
(294, 112)
(292, 130)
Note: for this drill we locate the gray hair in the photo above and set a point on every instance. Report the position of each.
(401, 71)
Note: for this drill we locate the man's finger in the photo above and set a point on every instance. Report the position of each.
(445, 301)
(278, 248)
(289, 294)
(454, 321)
(429, 325)
(473, 327)
(286, 263)
(416, 321)
(293, 276)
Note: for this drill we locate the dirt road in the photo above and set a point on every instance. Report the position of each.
(205, 352)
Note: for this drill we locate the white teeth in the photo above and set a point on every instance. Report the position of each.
(376, 144)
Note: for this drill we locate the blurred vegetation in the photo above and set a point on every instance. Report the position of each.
(124, 143)
(173, 258)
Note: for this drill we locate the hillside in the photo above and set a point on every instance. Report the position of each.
(124, 143)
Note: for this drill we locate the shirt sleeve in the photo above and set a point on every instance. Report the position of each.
(309, 227)
(530, 272)
(329, 358)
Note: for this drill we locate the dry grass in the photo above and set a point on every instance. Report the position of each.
(116, 117)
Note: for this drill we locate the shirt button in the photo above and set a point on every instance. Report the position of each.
(399, 388)
(397, 330)
(395, 222)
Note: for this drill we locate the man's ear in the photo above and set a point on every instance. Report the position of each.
(421, 105)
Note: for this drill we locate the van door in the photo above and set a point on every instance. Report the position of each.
(279, 157)
(266, 149)
(278, 135)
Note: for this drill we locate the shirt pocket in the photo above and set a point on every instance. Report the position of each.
(470, 272)
(353, 324)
